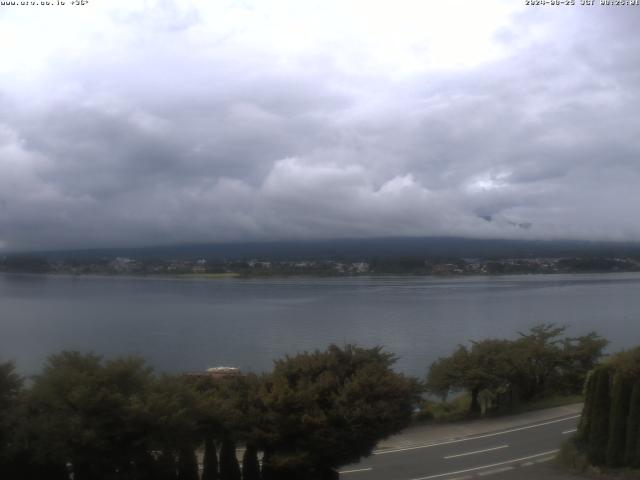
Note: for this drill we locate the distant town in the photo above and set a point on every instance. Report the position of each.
(211, 268)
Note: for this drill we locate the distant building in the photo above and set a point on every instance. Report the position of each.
(217, 373)
(223, 372)
(360, 267)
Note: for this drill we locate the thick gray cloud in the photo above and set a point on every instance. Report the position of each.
(177, 122)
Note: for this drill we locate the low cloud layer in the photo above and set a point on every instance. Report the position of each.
(176, 122)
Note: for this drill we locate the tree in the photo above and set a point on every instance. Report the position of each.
(584, 425)
(326, 409)
(82, 411)
(540, 358)
(166, 466)
(538, 363)
(169, 415)
(448, 374)
(10, 388)
(619, 416)
(250, 464)
(229, 467)
(187, 464)
(580, 356)
(25, 264)
(210, 461)
(599, 423)
(10, 385)
(486, 367)
(611, 433)
(632, 449)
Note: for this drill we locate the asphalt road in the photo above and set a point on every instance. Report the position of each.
(478, 456)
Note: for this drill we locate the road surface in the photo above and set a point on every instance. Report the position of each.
(482, 455)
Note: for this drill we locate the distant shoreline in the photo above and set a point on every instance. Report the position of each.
(239, 276)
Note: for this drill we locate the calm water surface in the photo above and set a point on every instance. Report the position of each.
(193, 324)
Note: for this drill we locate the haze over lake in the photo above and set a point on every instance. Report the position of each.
(183, 325)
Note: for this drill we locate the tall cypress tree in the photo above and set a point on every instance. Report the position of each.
(618, 418)
(229, 467)
(166, 466)
(210, 461)
(599, 423)
(589, 392)
(632, 449)
(267, 470)
(187, 464)
(250, 464)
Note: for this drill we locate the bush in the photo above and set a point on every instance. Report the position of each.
(573, 457)
(609, 431)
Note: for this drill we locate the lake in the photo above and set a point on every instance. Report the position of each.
(185, 325)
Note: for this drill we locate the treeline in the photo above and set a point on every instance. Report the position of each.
(499, 374)
(24, 264)
(609, 431)
(87, 418)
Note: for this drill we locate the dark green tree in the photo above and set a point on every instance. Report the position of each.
(540, 358)
(229, 467)
(584, 425)
(166, 467)
(187, 464)
(210, 461)
(267, 471)
(487, 365)
(632, 448)
(618, 419)
(10, 388)
(540, 362)
(81, 411)
(170, 414)
(250, 464)
(327, 409)
(600, 413)
(580, 356)
(448, 374)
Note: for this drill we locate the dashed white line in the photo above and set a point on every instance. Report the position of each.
(566, 432)
(477, 451)
(514, 460)
(487, 435)
(497, 470)
(356, 470)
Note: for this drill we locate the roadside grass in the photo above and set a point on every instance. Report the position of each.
(541, 404)
(454, 410)
(572, 459)
(457, 409)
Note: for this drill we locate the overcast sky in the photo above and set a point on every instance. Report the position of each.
(158, 122)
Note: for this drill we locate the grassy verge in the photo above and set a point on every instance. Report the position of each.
(543, 403)
(575, 461)
(453, 410)
(457, 409)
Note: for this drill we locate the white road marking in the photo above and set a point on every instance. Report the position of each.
(487, 466)
(497, 470)
(356, 470)
(566, 432)
(477, 451)
(448, 442)
(526, 464)
(545, 459)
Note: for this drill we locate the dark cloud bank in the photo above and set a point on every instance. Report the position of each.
(144, 144)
